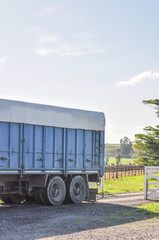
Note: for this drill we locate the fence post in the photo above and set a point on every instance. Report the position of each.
(121, 171)
(145, 190)
(117, 170)
(109, 173)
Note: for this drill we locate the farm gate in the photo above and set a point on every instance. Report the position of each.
(151, 179)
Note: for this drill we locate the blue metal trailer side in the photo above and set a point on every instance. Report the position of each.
(46, 159)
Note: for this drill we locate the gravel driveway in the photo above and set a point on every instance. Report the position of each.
(108, 218)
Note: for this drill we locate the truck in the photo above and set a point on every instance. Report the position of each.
(49, 153)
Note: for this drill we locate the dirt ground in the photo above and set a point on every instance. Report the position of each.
(109, 218)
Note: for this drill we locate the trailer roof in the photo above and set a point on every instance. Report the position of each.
(47, 115)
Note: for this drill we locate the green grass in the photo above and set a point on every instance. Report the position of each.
(124, 185)
(152, 207)
(147, 210)
(123, 161)
(83, 220)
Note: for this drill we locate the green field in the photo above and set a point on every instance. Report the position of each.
(124, 161)
(111, 150)
(124, 185)
(109, 146)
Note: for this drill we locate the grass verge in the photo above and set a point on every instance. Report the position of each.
(149, 210)
(124, 185)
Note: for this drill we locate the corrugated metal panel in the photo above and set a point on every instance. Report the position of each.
(79, 149)
(40, 149)
(10, 146)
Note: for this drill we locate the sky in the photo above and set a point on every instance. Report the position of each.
(94, 55)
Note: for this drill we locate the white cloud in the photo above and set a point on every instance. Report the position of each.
(139, 78)
(73, 45)
(42, 51)
(61, 49)
(47, 10)
(65, 50)
(3, 59)
(48, 39)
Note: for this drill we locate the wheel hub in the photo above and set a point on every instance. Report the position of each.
(77, 189)
(55, 190)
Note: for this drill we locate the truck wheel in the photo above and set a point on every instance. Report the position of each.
(77, 189)
(5, 198)
(43, 196)
(56, 191)
(37, 195)
(30, 197)
(17, 198)
(68, 198)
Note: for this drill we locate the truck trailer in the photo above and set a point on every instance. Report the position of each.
(49, 153)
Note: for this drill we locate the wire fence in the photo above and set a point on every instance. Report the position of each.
(119, 171)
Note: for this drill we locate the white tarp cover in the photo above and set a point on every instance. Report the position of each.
(46, 115)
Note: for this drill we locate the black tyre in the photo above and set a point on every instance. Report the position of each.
(17, 198)
(30, 198)
(43, 196)
(77, 189)
(68, 198)
(5, 198)
(37, 195)
(56, 191)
